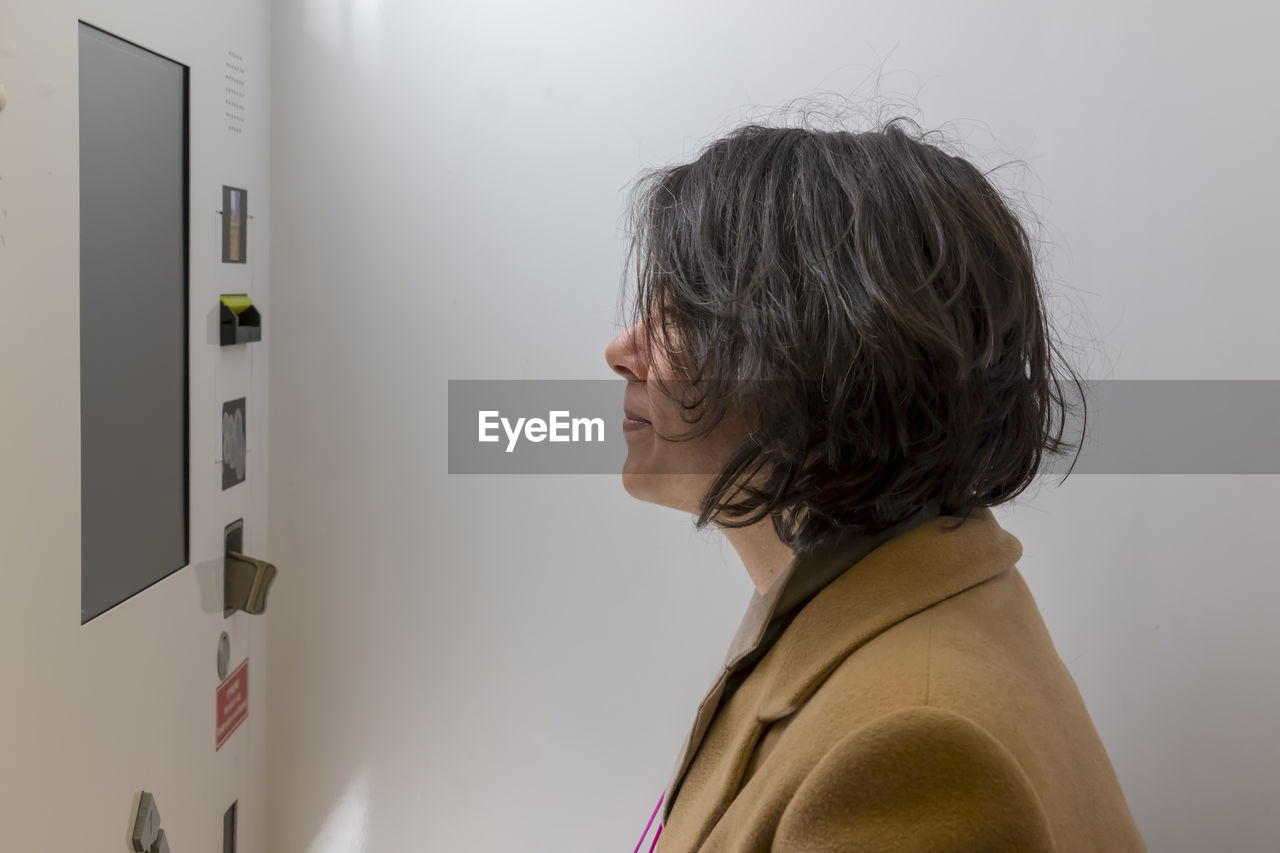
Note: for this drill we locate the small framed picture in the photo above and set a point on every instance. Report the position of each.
(233, 443)
(235, 225)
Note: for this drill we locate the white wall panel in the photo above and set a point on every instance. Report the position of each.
(92, 715)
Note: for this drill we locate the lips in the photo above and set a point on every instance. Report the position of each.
(634, 417)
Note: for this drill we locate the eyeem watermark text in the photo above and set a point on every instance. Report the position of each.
(1134, 427)
(559, 426)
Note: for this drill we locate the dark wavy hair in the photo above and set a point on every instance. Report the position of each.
(870, 304)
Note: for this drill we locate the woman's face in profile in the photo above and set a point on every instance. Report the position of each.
(671, 473)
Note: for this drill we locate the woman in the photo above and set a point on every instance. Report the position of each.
(840, 358)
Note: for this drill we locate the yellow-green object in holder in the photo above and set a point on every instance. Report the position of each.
(239, 321)
(237, 302)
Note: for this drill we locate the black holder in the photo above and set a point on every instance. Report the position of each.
(240, 328)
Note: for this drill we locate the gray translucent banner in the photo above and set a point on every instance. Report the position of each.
(1132, 426)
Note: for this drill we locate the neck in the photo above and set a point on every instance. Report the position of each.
(761, 551)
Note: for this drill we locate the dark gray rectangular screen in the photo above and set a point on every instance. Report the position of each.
(133, 319)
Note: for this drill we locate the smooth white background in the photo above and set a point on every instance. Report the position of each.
(511, 663)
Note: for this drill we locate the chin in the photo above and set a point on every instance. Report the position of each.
(643, 487)
(667, 490)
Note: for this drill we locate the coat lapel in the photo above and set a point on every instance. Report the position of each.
(723, 741)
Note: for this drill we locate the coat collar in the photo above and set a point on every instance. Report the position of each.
(906, 574)
(866, 587)
(806, 574)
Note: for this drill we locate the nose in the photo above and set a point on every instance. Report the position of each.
(625, 357)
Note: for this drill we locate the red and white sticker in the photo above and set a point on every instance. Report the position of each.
(233, 703)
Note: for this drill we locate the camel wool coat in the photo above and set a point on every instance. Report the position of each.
(914, 702)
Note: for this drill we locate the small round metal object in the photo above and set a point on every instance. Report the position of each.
(224, 655)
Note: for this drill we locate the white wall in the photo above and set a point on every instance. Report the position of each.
(511, 663)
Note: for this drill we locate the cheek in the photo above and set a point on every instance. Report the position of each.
(666, 406)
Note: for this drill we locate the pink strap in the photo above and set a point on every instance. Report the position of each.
(649, 824)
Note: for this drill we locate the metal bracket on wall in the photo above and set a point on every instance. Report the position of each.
(245, 579)
(148, 837)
